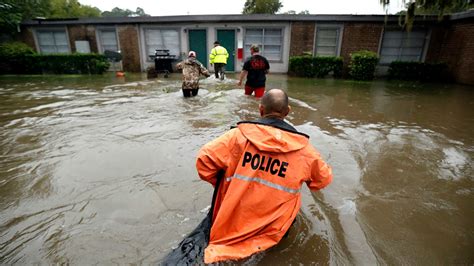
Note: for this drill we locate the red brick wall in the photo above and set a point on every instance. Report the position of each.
(129, 47)
(302, 38)
(360, 36)
(457, 50)
(82, 33)
(26, 36)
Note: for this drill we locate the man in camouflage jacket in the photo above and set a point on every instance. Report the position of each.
(192, 69)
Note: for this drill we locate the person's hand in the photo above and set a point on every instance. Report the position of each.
(239, 83)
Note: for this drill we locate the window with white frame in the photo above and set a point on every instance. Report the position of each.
(270, 41)
(52, 41)
(162, 39)
(327, 41)
(108, 40)
(402, 46)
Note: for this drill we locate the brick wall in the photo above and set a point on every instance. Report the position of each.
(302, 38)
(359, 36)
(82, 33)
(129, 47)
(457, 50)
(26, 36)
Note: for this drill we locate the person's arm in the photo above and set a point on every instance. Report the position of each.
(212, 56)
(243, 74)
(204, 71)
(321, 173)
(215, 156)
(179, 65)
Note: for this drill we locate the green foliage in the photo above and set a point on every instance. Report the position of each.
(319, 66)
(118, 12)
(362, 65)
(54, 64)
(418, 71)
(71, 9)
(15, 49)
(428, 7)
(261, 6)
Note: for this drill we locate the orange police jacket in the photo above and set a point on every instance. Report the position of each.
(259, 197)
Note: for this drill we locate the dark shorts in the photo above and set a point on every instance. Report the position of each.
(258, 91)
(189, 93)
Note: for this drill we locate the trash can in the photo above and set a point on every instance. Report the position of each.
(163, 61)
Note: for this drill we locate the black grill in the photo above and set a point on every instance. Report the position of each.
(163, 61)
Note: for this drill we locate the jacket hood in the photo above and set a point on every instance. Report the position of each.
(271, 138)
(190, 61)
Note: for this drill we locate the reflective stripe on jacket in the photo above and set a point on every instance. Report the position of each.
(218, 55)
(259, 197)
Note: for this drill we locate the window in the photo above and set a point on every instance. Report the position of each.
(327, 41)
(402, 46)
(162, 39)
(270, 42)
(52, 41)
(108, 40)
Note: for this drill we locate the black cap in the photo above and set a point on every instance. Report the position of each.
(217, 42)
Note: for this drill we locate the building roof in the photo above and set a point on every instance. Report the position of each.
(238, 18)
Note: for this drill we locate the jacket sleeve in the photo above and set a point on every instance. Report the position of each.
(215, 156)
(212, 56)
(203, 70)
(321, 173)
(179, 65)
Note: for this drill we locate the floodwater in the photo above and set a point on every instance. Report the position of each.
(101, 170)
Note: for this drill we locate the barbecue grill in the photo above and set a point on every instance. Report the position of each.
(163, 61)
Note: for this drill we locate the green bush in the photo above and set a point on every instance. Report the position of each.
(54, 64)
(417, 71)
(15, 49)
(319, 66)
(362, 66)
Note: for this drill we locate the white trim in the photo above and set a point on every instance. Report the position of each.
(51, 29)
(340, 34)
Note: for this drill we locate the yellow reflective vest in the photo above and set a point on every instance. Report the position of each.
(218, 55)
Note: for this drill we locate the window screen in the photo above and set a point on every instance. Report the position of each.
(327, 41)
(53, 42)
(162, 39)
(108, 40)
(402, 46)
(270, 42)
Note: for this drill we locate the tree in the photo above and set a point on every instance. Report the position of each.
(118, 12)
(71, 9)
(261, 6)
(429, 7)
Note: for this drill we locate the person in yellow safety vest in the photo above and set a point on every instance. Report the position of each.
(218, 58)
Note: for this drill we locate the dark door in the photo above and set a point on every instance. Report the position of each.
(227, 40)
(197, 43)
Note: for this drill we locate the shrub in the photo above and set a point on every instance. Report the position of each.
(302, 66)
(362, 66)
(15, 49)
(54, 63)
(319, 66)
(417, 71)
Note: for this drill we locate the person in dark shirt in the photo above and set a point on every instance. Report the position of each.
(255, 68)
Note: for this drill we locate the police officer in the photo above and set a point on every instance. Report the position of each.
(265, 162)
(218, 58)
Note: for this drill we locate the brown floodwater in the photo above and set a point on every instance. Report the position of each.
(101, 170)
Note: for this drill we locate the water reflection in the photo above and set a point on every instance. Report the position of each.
(101, 169)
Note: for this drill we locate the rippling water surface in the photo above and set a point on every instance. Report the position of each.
(101, 170)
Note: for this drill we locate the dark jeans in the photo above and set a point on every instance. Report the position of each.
(219, 67)
(189, 93)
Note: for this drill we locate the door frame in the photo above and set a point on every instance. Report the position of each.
(235, 29)
(205, 43)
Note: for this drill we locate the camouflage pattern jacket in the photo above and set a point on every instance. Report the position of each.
(192, 68)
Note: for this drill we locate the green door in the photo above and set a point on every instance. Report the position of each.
(227, 40)
(197, 43)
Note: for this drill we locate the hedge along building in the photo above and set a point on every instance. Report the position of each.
(279, 36)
